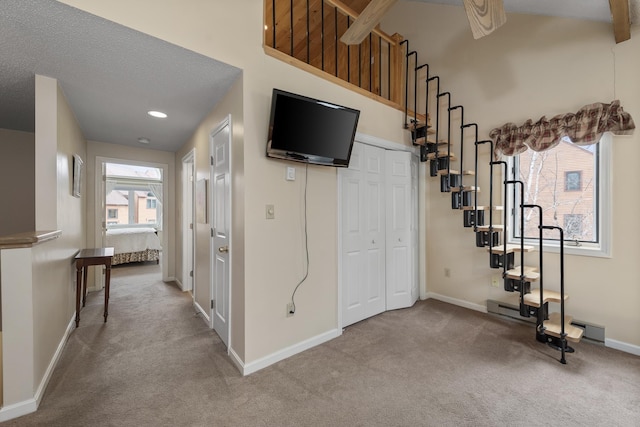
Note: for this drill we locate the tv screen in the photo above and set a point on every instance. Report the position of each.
(309, 130)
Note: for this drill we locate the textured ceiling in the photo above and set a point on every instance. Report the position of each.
(111, 75)
(592, 10)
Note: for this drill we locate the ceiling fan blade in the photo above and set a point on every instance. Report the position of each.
(368, 19)
(484, 16)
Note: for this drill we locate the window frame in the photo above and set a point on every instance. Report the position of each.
(602, 248)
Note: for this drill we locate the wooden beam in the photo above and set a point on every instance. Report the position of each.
(621, 22)
(485, 16)
(353, 14)
(368, 19)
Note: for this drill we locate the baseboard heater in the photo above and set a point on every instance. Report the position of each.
(592, 332)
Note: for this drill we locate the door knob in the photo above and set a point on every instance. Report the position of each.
(223, 249)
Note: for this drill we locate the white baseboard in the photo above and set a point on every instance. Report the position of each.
(237, 360)
(205, 315)
(263, 362)
(54, 361)
(31, 405)
(19, 409)
(622, 346)
(458, 302)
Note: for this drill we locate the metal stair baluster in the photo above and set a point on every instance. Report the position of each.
(540, 336)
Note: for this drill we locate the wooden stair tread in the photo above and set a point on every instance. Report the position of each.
(481, 208)
(440, 154)
(553, 327)
(422, 140)
(422, 119)
(455, 172)
(533, 298)
(530, 273)
(465, 188)
(496, 227)
(499, 249)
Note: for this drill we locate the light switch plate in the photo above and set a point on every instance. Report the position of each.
(270, 212)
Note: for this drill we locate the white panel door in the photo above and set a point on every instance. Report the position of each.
(363, 235)
(400, 246)
(221, 221)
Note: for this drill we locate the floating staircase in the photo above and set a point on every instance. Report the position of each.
(555, 329)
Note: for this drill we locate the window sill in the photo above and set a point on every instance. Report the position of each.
(590, 250)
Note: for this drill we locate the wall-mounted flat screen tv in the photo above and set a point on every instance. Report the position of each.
(309, 130)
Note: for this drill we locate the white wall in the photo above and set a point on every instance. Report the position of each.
(533, 66)
(45, 273)
(230, 105)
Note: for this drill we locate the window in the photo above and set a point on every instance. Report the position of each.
(571, 184)
(573, 181)
(132, 196)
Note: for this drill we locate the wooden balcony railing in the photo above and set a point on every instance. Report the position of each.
(306, 34)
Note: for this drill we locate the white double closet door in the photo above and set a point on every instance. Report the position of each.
(379, 204)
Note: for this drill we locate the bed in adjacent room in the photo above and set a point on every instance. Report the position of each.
(134, 245)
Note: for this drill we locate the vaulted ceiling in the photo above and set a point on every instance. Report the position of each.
(112, 75)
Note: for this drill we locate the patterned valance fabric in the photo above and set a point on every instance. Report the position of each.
(583, 128)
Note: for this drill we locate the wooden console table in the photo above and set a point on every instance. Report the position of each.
(84, 259)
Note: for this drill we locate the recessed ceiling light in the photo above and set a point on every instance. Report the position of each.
(157, 114)
(144, 140)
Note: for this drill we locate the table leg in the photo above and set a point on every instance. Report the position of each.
(84, 286)
(78, 291)
(106, 291)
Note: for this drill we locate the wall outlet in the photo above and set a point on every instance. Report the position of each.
(291, 173)
(290, 311)
(495, 281)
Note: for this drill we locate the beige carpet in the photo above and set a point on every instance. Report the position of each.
(157, 364)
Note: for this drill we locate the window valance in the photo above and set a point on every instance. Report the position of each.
(585, 127)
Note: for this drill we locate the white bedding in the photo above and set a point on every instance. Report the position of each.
(125, 240)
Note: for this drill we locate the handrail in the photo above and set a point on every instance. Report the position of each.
(461, 171)
(521, 225)
(476, 143)
(540, 317)
(448, 95)
(505, 208)
(563, 334)
(475, 171)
